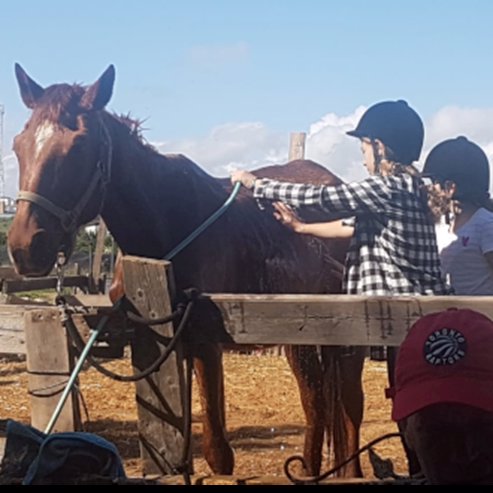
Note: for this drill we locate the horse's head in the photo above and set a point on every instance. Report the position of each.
(64, 155)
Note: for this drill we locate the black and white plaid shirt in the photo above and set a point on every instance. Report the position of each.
(393, 250)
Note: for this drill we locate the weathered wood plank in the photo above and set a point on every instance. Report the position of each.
(8, 272)
(160, 397)
(12, 339)
(89, 300)
(97, 261)
(38, 283)
(297, 145)
(294, 319)
(49, 361)
(331, 319)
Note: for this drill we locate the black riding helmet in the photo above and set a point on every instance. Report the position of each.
(463, 162)
(397, 126)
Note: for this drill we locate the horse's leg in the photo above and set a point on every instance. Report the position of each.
(208, 366)
(306, 368)
(351, 361)
(413, 464)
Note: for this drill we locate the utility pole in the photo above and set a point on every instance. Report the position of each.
(2, 171)
(297, 146)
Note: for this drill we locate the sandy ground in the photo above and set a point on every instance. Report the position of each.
(265, 419)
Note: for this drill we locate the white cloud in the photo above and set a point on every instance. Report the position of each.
(252, 145)
(451, 121)
(474, 123)
(228, 146)
(328, 144)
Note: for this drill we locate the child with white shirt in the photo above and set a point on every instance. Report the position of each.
(460, 172)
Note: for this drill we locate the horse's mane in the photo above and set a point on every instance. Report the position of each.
(135, 126)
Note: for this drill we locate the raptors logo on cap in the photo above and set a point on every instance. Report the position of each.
(445, 347)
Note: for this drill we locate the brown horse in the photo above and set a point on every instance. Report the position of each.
(77, 161)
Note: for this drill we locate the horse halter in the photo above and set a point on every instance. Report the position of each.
(69, 218)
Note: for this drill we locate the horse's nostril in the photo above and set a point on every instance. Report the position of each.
(39, 242)
(35, 258)
(42, 251)
(16, 256)
(19, 259)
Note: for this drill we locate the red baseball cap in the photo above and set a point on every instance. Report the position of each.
(446, 356)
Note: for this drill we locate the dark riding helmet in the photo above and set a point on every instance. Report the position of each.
(460, 161)
(397, 126)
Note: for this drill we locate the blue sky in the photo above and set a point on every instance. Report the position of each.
(226, 81)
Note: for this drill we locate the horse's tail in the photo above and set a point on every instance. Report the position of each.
(343, 396)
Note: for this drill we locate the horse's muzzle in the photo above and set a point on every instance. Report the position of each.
(35, 258)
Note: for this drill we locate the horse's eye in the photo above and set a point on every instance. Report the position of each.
(70, 121)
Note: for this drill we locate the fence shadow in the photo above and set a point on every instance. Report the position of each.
(125, 436)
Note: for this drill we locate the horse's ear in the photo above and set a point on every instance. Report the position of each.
(30, 91)
(98, 94)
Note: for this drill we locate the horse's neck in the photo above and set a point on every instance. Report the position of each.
(153, 201)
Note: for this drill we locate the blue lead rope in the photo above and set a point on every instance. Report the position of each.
(92, 339)
(205, 224)
(74, 374)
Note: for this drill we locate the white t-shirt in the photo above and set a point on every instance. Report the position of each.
(462, 255)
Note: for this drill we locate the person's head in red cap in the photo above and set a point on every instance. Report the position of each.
(443, 396)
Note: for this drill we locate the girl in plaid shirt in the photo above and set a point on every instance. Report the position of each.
(393, 249)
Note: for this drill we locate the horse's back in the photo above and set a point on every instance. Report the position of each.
(303, 171)
(299, 171)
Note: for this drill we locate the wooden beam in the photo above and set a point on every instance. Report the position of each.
(8, 272)
(288, 319)
(326, 319)
(161, 397)
(297, 146)
(12, 338)
(50, 360)
(40, 283)
(97, 259)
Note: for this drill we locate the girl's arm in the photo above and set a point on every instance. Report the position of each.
(370, 195)
(332, 229)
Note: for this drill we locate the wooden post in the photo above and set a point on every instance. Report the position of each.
(50, 361)
(161, 397)
(97, 257)
(297, 146)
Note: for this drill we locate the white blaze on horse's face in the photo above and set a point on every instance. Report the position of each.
(42, 136)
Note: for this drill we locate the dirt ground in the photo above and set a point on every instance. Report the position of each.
(265, 419)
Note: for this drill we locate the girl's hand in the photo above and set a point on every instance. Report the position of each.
(246, 178)
(287, 216)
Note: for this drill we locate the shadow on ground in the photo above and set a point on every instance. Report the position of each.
(248, 438)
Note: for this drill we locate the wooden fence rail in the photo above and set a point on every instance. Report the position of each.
(290, 319)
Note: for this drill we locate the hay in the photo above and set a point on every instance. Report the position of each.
(265, 419)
